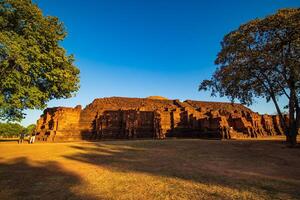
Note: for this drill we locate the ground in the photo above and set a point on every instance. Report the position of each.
(150, 169)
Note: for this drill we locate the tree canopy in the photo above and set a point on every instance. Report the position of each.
(262, 59)
(9, 130)
(34, 68)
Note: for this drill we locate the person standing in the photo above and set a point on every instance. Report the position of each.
(21, 138)
(32, 138)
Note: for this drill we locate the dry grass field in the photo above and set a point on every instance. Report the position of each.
(150, 169)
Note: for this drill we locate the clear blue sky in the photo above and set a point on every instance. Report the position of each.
(139, 48)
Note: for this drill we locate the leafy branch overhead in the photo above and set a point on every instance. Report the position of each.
(34, 68)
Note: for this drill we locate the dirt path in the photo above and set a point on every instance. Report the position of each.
(150, 169)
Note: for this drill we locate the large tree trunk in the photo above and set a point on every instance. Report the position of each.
(293, 120)
(292, 136)
(297, 119)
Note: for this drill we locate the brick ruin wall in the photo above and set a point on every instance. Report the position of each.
(126, 118)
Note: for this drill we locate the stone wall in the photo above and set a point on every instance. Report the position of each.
(126, 124)
(127, 118)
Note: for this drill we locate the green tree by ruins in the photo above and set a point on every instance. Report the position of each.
(34, 68)
(30, 129)
(10, 130)
(262, 59)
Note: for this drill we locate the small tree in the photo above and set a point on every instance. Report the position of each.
(262, 59)
(34, 68)
(30, 129)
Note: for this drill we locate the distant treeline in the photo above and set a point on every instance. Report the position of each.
(10, 130)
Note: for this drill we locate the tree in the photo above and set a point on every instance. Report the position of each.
(262, 59)
(34, 68)
(9, 130)
(30, 129)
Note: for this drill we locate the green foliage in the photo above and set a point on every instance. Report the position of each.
(34, 68)
(262, 59)
(8, 130)
(259, 59)
(30, 129)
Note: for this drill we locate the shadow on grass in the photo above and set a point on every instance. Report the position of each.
(21, 180)
(210, 165)
(9, 140)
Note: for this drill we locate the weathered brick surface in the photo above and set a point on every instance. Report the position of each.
(127, 118)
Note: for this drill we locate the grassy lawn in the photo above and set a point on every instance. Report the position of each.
(150, 169)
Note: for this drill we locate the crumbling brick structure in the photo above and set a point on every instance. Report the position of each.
(129, 118)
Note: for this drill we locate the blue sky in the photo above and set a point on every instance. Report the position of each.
(139, 48)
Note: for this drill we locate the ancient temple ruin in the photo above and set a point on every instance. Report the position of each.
(158, 118)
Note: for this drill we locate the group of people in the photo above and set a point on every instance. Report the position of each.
(22, 137)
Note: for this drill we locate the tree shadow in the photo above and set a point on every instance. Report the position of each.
(9, 140)
(193, 162)
(19, 179)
